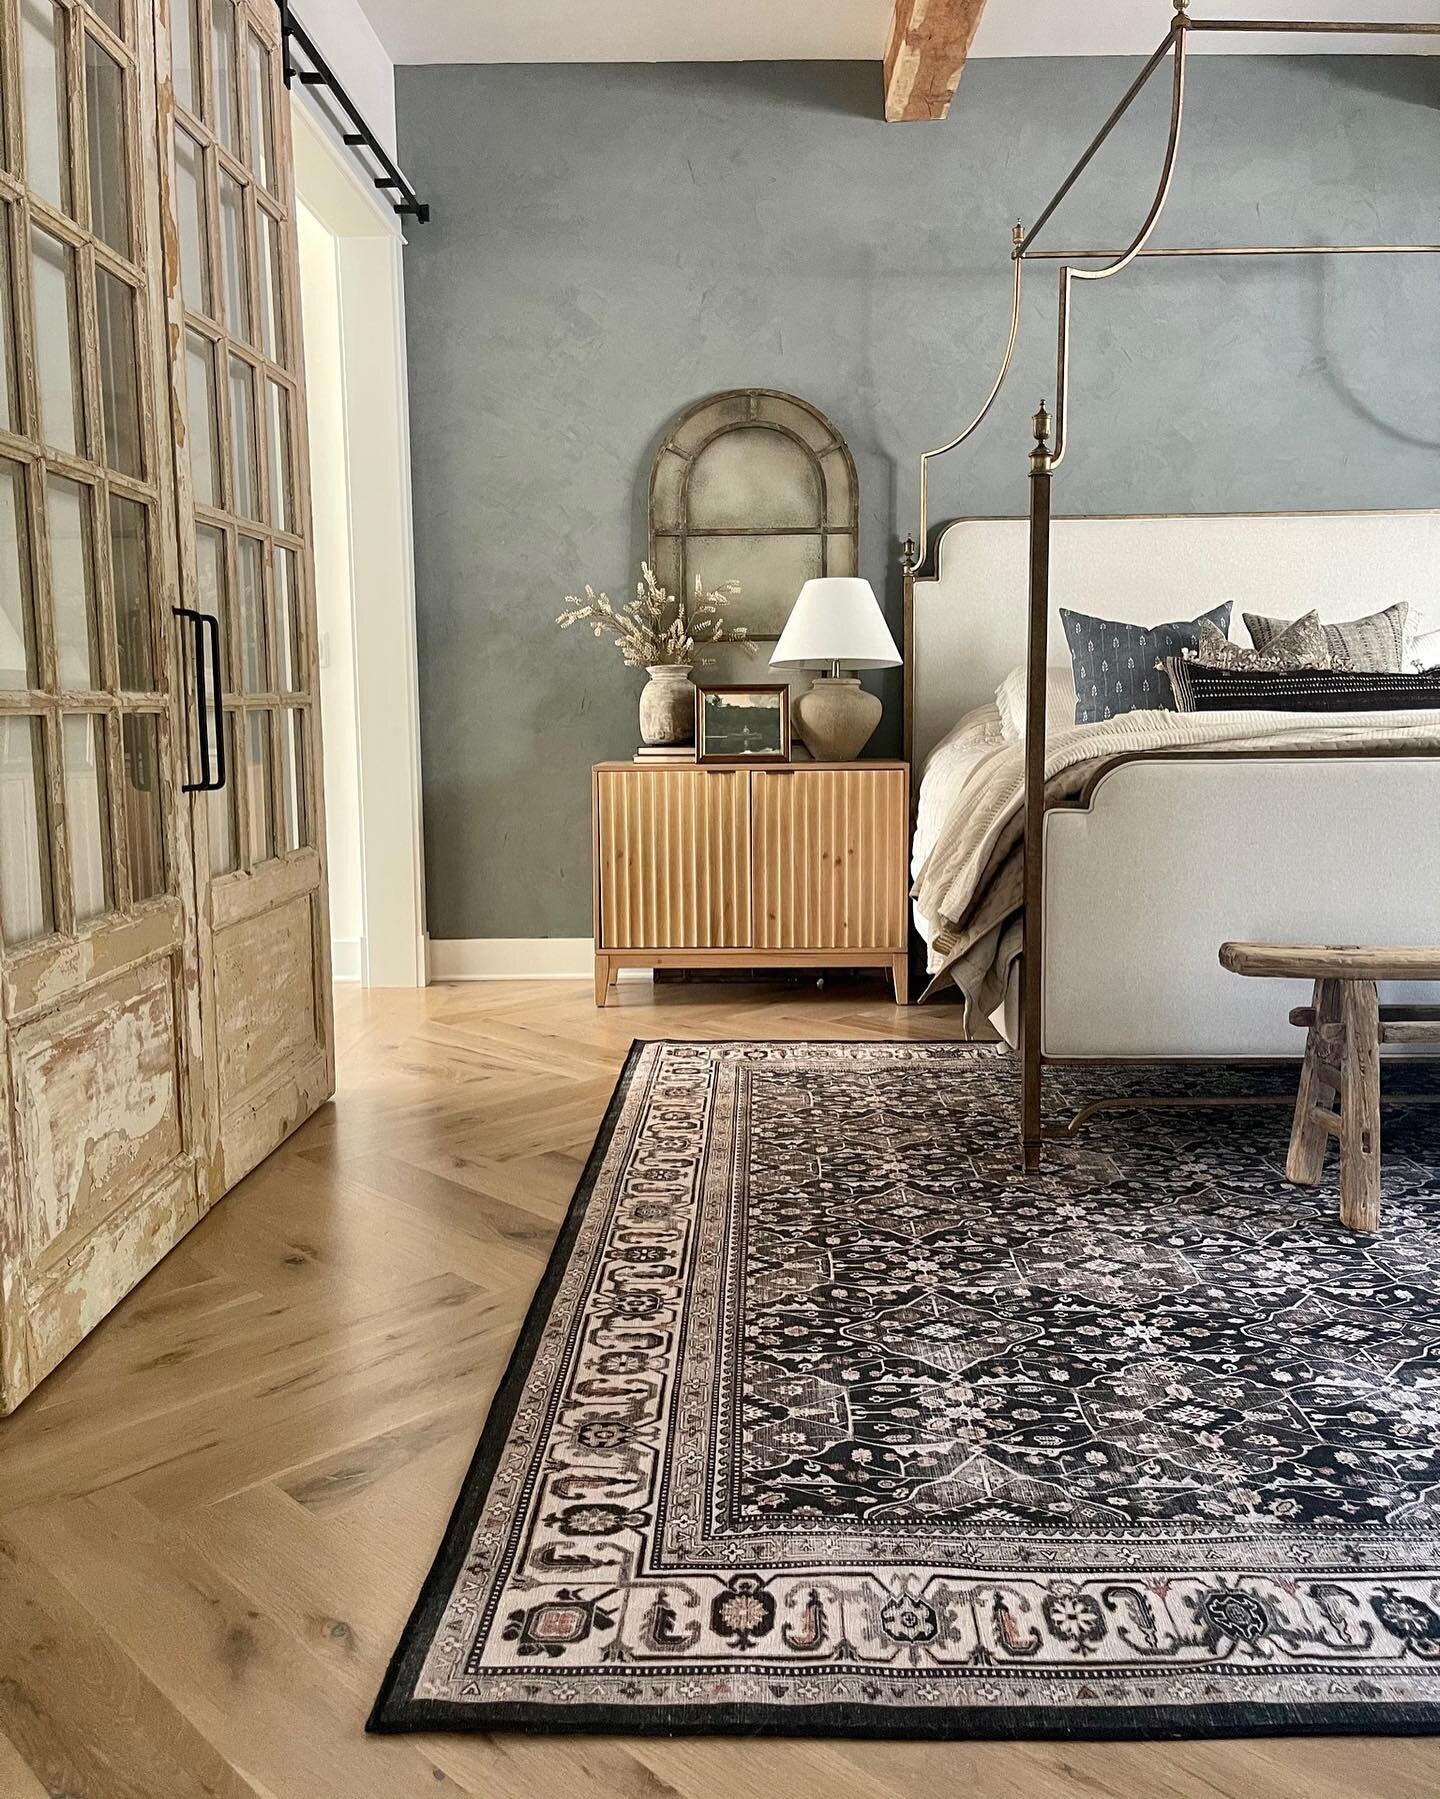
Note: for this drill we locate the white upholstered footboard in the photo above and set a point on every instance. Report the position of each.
(1170, 857)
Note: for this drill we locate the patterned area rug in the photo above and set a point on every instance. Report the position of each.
(828, 1420)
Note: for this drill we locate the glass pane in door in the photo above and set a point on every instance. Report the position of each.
(184, 69)
(210, 584)
(18, 666)
(193, 216)
(119, 372)
(287, 622)
(233, 262)
(130, 575)
(277, 448)
(292, 777)
(105, 128)
(57, 339)
(8, 419)
(250, 617)
(262, 125)
(224, 822)
(110, 12)
(204, 428)
(87, 813)
(144, 824)
(244, 477)
(222, 72)
(47, 111)
(259, 787)
(72, 585)
(26, 911)
(268, 289)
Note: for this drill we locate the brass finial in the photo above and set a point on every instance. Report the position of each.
(907, 555)
(1017, 236)
(1040, 455)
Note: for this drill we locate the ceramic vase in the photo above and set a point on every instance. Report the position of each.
(667, 705)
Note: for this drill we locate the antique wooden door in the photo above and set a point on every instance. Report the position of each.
(103, 1113)
(164, 989)
(244, 539)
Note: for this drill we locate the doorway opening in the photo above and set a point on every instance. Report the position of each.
(352, 305)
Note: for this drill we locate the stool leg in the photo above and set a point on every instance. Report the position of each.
(1305, 1163)
(1360, 1108)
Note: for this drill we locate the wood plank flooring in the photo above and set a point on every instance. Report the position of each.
(215, 1516)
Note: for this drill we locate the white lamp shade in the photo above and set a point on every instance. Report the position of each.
(836, 619)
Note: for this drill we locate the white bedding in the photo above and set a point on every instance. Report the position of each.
(973, 789)
(951, 764)
(970, 619)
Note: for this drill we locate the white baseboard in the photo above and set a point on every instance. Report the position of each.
(346, 960)
(512, 959)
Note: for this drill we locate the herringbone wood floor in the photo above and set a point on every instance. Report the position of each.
(215, 1516)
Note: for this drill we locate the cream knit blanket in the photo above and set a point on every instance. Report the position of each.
(970, 881)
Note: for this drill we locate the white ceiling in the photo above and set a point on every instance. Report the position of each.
(764, 30)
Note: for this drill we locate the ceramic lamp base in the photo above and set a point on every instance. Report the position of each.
(837, 718)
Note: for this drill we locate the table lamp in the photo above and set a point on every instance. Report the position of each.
(836, 622)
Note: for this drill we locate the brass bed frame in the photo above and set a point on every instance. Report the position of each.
(1051, 442)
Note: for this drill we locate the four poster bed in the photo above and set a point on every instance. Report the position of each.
(1076, 880)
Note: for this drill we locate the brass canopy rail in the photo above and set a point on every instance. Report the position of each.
(1173, 46)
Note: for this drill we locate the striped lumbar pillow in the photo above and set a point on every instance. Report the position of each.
(1201, 689)
(1372, 646)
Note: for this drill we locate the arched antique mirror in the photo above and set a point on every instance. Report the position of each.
(756, 487)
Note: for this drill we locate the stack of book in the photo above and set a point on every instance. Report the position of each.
(665, 752)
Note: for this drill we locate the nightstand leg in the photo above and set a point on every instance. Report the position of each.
(602, 979)
(900, 972)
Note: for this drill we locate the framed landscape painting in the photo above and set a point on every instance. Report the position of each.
(743, 723)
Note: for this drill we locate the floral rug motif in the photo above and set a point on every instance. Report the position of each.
(828, 1419)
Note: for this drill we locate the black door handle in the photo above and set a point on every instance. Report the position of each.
(208, 694)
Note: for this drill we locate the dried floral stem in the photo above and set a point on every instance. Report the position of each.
(654, 628)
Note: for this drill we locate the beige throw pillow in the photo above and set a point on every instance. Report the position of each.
(1370, 646)
(1303, 644)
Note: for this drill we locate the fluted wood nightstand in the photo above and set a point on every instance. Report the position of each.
(785, 866)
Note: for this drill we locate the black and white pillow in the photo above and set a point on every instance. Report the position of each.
(1115, 664)
(1373, 645)
(1201, 689)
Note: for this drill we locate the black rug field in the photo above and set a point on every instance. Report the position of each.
(828, 1420)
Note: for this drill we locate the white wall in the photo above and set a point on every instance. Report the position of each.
(352, 296)
(347, 41)
(330, 505)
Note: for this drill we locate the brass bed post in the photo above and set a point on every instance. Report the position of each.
(1033, 962)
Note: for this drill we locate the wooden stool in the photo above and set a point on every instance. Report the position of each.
(1345, 1024)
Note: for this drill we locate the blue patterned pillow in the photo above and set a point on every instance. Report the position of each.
(1114, 664)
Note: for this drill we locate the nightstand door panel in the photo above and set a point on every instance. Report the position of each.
(674, 849)
(829, 852)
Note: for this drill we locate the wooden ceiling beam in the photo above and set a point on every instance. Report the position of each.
(929, 41)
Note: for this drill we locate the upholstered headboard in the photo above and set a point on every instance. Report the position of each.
(969, 618)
